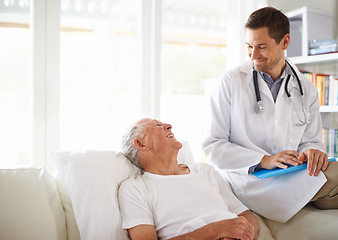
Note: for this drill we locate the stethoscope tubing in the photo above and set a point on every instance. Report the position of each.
(257, 93)
(258, 108)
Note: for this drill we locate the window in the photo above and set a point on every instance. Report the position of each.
(15, 84)
(79, 73)
(99, 73)
(193, 54)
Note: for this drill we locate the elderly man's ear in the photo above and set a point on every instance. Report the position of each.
(139, 145)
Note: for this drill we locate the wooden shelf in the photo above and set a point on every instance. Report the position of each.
(316, 59)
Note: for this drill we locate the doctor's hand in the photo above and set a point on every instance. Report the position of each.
(280, 159)
(316, 160)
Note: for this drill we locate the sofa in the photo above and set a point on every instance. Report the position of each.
(80, 202)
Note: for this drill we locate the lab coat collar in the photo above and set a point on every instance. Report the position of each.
(246, 68)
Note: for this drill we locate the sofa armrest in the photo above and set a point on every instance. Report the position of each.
(72, 227)
(30, 206)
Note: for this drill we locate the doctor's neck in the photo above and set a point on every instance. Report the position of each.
(274, 71)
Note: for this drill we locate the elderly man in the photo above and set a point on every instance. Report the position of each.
(175, 201)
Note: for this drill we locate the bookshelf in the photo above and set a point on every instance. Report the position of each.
(308, 24)
(329, 113)
(308, 62)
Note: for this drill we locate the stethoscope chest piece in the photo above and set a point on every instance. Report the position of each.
(258, 108)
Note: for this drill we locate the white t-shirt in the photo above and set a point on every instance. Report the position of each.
(178, 204)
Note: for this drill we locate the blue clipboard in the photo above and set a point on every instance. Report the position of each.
(266, 173)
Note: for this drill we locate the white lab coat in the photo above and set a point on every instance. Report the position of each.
(238, 138)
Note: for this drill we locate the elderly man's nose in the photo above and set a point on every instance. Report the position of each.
(168, 126)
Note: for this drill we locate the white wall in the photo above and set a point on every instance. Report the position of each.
(329, 6)
(285, 6)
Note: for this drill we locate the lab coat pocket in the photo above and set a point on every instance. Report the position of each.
(297, 127)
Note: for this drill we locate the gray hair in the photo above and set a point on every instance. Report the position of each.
(128, 148)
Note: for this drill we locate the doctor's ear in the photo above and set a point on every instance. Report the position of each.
(285, 41)
(139, 145)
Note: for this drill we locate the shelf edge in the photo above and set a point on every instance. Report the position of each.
(320, 58)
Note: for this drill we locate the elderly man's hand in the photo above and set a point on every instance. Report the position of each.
(316, 160)
(238, 228)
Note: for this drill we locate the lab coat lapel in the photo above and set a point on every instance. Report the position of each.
(293, 80)
(263, 87)
(292, 84)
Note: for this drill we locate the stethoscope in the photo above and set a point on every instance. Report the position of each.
(258, 108)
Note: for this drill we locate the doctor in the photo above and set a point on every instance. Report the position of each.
(265, 114)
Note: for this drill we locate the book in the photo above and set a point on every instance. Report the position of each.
(322, 83)
(326, 90)
(322, 43)
(330, 141)
(323, 46)
(319, 85)
(329, 49)
(266, 173)
(336, 144)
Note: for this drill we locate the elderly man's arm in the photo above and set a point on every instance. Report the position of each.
(235, 228)
(140, 232)
(253, 220)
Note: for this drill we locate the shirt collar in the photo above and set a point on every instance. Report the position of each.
(267, 77)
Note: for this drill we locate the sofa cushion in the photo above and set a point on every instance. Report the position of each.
(309, 223)
(30, 206)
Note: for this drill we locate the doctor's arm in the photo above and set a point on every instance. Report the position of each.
(311, 146)
(218, 147)
(316, 159)
(279, 160)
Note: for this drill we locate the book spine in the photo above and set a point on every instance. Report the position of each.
(332, 132)
(326, 86)
(331, 91)
(336, 144)
(319, 85)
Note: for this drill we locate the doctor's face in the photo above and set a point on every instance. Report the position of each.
(266, 55)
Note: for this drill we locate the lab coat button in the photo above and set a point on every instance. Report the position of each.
(276, 122)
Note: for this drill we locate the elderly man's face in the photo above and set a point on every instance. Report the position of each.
(158, 135)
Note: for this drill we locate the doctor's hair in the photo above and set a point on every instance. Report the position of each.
(128, 148)
(277, 23)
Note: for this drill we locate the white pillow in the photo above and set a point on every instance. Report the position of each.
(92, 179)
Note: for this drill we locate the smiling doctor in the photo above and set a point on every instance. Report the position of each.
(265, 114)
